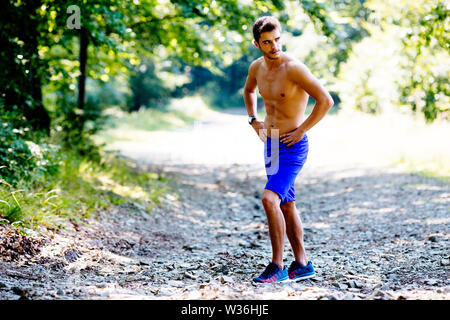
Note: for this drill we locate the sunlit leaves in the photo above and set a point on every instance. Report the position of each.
(426, 45)
(406, 56)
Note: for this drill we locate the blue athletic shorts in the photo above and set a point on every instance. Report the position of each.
(283, 164)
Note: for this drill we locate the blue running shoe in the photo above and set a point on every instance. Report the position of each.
(297, 271)
(273, 273)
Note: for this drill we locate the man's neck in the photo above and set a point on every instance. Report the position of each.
(273, 63)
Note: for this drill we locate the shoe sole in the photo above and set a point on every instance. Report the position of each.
(279, 281)
(284, 280)
(298, 278)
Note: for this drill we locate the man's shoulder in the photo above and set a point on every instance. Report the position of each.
(255, 64)
(295, 67)
(292, 62)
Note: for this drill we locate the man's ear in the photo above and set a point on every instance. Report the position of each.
(256, 44)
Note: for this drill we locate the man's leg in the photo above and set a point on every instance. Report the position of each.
(294, 230)
(277, 226)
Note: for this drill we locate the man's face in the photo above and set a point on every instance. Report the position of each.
(270, 44)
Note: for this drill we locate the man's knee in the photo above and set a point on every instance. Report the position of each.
(270, 198)
(288, 206)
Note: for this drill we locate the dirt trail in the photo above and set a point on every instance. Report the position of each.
(372, 231)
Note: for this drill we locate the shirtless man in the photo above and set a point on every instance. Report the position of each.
(285, 85)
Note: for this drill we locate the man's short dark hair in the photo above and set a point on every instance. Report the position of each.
(264, 24)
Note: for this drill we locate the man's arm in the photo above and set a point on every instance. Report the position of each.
(301, 75)
(250, 100)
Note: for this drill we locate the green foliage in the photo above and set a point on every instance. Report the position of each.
(366, 99)
(427, 47)
(107, 94)
(421, 75)
(403, 63)
(208, 34)
(15, 157)
(148, 90)
(199, 32)
(222, 90)
(342, 22)
(20, 158)
(22, 68)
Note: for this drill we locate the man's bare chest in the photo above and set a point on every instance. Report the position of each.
(274, 86)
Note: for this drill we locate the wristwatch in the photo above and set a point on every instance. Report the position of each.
(250, 119)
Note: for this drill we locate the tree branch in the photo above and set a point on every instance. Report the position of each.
(155, 19)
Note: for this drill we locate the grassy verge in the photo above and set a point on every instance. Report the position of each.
(124, 126)
(80, 188)
(392, 138)
(422, 149)
(436, 167)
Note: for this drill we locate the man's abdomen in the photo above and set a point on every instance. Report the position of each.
(282, 126)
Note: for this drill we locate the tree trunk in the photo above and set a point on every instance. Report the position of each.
(84, 42)
(22, 87)
(35, 111)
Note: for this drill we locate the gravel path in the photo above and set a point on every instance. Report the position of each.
(371, 231)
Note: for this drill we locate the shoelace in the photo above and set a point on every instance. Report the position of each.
(295, 266)
(270, 269)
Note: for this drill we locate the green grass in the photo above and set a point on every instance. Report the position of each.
(79, 190)
(124, 126)
(153, 119)
(437, 167)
